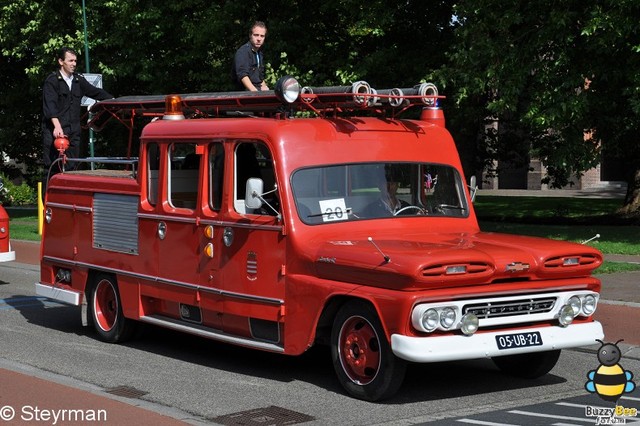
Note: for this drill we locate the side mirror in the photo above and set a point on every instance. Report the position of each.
(253, 193)
(473, 187)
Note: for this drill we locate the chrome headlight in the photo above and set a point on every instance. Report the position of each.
(589, 304)
(430, 319)
(447, 318)
(576, 305)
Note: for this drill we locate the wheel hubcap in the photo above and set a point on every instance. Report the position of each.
(359, 350)
(105, 305)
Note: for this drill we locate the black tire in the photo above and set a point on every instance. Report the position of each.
(105, 310)
(362, 357)
(527, 366)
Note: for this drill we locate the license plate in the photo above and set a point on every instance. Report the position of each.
(518, 340)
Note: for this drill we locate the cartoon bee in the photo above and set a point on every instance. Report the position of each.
(610, 380)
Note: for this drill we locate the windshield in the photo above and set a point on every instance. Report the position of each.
(378, 190)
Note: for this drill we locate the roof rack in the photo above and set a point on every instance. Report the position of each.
(287, 97)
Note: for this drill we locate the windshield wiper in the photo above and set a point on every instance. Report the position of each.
(349, 211)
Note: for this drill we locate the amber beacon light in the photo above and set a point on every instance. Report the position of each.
(173, 108)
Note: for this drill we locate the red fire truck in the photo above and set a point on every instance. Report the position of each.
(6, 254)
(282, 219)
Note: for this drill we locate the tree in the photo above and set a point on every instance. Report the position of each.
(151, 47)
(545, 71)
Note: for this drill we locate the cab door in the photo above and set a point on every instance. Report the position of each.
(253, 252)
(185, 291)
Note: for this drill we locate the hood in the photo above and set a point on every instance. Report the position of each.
(452, 259)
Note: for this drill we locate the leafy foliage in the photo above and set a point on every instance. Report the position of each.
(545, 71)
(561, 79)
(16, 195)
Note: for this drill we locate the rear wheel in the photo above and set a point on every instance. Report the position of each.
(528, 366)
(362, 357)
(105, 310)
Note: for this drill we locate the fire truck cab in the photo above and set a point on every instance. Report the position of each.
(282, 219)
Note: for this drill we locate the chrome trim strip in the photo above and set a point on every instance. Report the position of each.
(70, 207)
(214, 222)
(159, 280)
(167, 218)
(59, 294)
(253, 226)
(209, 333)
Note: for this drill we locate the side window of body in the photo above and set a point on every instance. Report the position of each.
(183, 176)
(253, 159)
(216, 175)
(153, 166)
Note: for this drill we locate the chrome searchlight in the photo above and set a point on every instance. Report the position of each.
(287, 89)
(566, 315)
(469, 324)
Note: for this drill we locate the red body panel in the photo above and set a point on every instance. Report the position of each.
(6, 254)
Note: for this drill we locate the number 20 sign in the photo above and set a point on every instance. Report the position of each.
(333, 210)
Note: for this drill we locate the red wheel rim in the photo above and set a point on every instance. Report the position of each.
(359, 348)
(105, 305)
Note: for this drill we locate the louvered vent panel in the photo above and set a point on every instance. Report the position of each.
(440, 270)
(558, 262)
(115, 222)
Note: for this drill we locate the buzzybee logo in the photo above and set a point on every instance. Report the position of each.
(609, 381)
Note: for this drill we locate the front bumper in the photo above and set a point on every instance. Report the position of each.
(483, 345)
(8, 256)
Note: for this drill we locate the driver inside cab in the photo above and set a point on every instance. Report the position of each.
(388, 204)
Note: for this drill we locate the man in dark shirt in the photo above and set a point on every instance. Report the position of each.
(61, 95)
(248, 63)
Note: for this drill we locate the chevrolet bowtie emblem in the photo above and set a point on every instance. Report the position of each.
(517, 267)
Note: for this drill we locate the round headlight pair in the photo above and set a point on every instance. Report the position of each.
(431, 318)
(585, 305)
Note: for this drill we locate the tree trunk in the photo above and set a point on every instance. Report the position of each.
(631, 205)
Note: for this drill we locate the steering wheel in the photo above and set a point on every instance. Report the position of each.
(420, 209)
(441, 208)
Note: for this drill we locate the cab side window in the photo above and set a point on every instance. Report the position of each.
(253, 159)
(183, 176)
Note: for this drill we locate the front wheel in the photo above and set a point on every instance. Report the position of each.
(105, 310)
(362, 357)
(527, 366)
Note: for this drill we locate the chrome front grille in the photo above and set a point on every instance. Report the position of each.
(497, 309)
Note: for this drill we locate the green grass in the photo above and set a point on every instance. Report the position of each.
(623, 239)
(545, 209)
(569, 219)
(23, 223)
(611, 267)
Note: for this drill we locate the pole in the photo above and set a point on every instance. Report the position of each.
(87, 67)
